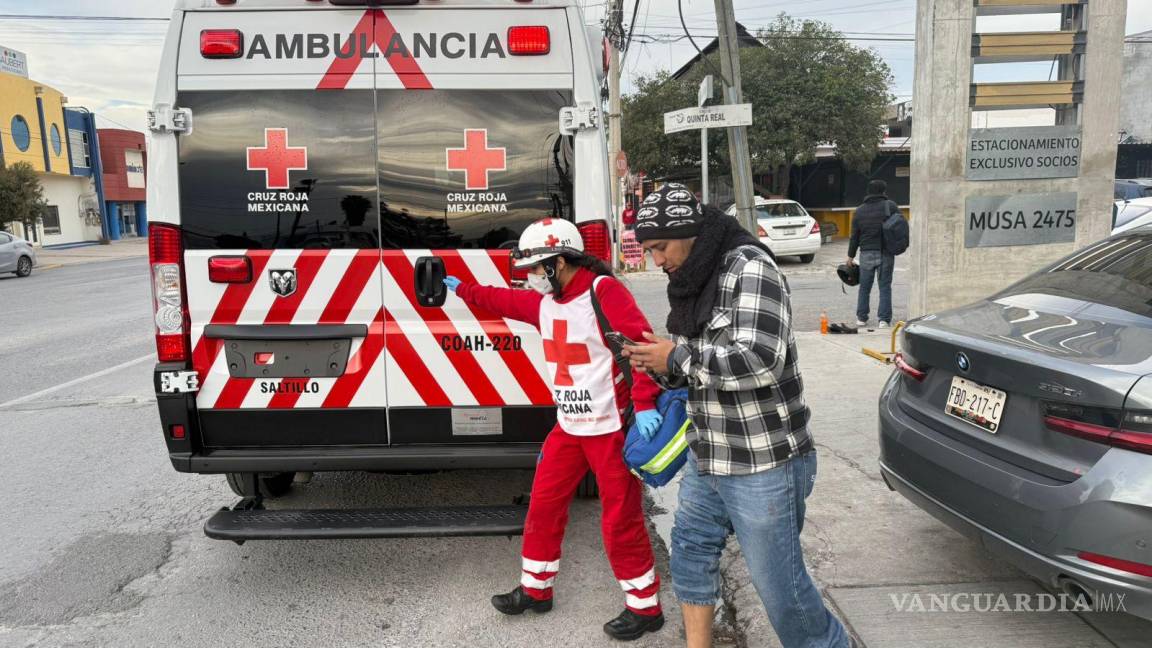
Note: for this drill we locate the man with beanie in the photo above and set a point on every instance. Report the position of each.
(752, 461)
(868, 238)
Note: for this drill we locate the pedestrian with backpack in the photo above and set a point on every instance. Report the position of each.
(880, 234)
(575, 301)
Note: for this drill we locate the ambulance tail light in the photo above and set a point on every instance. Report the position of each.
(596, 240)
(221, 43)
(166, 257)
(529, 40)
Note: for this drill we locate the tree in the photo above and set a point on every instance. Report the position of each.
(21, 196)
(643, 137)
(807, 86)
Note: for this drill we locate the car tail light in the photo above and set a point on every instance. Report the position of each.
(906, 367)
(1116, 563)
(170, 309)
(596, 241)
(760, 231)
(815, 228)
(177, 431)
(1127, 430)
(529, 40)
(221, 43)
(229, 269)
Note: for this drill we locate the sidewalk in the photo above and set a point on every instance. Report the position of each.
(46, 259)
(868, 547)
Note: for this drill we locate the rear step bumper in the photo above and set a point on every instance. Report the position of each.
(315, 459)
(240, 525)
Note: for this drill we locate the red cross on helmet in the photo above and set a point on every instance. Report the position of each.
(546, 238)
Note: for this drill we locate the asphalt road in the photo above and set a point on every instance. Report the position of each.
(66, 323)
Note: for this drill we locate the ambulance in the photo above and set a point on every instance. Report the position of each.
(316, 168)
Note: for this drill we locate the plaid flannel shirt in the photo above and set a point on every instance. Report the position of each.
(746, 396)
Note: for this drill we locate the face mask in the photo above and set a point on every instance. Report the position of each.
(539, 283)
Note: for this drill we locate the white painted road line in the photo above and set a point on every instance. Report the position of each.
(70, 383)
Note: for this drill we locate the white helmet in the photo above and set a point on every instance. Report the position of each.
(546, 238)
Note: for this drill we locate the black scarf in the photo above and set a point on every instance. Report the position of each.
(693, 288)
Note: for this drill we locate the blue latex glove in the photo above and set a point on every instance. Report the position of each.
(648, 422)
(451, 283)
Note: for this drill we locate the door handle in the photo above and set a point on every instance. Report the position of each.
(429, 280)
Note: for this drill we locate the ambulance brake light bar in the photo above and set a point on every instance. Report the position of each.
(221, 43)
(373, 3)
(529, 40)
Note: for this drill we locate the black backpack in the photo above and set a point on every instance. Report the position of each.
(894, 232)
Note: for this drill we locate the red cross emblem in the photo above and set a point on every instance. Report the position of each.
(565, 355)
(551, 241)
(476, 159)
(276, 158)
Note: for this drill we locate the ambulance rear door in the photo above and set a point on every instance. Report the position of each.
(279, 212)
(469, 154)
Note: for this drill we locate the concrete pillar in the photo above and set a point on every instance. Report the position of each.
(142, 219)
(114, 221)
(944, 272)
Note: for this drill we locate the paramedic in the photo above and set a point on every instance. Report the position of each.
(593, 401)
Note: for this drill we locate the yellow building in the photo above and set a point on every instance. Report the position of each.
(34, 129)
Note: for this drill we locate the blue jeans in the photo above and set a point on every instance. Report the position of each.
(766, 512)
(873, 263)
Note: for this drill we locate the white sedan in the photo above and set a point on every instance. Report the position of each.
(16, 255)
(786, 228)
(1130, 214)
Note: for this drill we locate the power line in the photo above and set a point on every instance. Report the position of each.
(95, 18)
(100, 116)
(719, 75)
(668, 37)
(631, 28)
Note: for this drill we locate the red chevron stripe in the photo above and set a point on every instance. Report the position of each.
(518, 362)
(413, 367)
(438, 323)
(282, 311)
(340, 71)
(227, 311)
(358, 365)
(356, 277)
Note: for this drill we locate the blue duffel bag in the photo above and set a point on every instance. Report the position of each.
(657, 460)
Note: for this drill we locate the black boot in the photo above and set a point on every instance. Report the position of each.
(629, 625)
(517, 602)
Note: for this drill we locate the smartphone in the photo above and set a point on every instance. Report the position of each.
(619, 339)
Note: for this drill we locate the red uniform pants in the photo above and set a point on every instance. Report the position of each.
(563, 463)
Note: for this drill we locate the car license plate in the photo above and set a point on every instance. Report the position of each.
(788, 231)
(977, 404)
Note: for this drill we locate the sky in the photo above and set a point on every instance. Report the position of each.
(110, 66)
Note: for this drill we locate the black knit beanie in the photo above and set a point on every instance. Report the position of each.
(672, 212)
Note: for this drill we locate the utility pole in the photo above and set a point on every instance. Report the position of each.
(615, 34)
(702, 97)
(738, 153)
